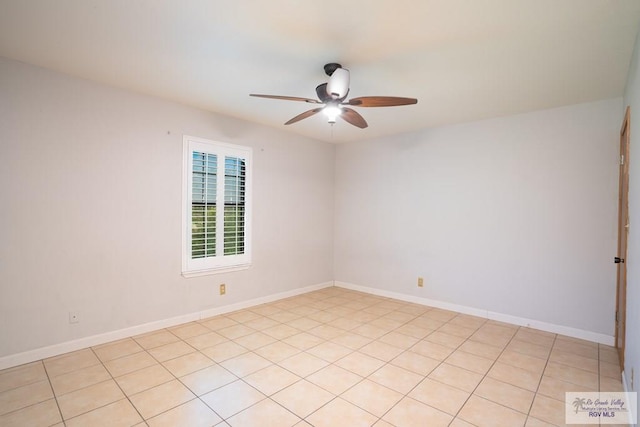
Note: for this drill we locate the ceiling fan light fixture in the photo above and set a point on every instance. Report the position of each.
(338, 85)
(332, 112)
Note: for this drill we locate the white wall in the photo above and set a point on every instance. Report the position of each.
(514, 215)
(632, 99)
(90, 211)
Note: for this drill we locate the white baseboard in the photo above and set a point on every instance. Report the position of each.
(515, 320)
(93, 340)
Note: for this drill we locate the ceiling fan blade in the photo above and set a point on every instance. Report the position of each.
(304, 115)
(287, 98)
(353, 117)
(381, 101)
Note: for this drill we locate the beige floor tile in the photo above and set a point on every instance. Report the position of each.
(529, 349)
(386, 323)
(232, 398)
(480, 349)
(446, 340)
(556, 388)
(344, 323)
(303, 364)
(415, 362)
(131, 363)
(41, 414)
(360, 364)
(192, 414)
(334, 379)
(414, 331)
(117, 349)
(523, 361)
(284, 316)
(534, 422)
(456, 377)
(352, 341)
(261, 323)
(505, 394)
(235, 331)
(22, 375)
(171, 351)
(409, 412)
(432, 350)
(608, 354)
(369, 331)
(440, 396)
(399, 340)
(218, 322)
(155, 339)
(440, 314)
(400, 316)
(544, 339)
(457, 330)
(223, 351)
(277, 351)
(243, 316)
(255, 340)
(380, 350)
(329, 351)
(87, 399)
(572, 375)
(470, 362)
(611, 370)
(143, 379)
(265, 413)
(577, 348)
(208, 379)
(372, 397)
(209, 339)
(183, 365)
(303, 341)
(549, 410)
(496, 340)
(271, 379)
(484, 413)
(117, 414)
(326, 332)
(457, 422)
(518, 377)
(574, 360)
(396, 378)
(245, 364)
(281, 332)
(468, 321)
(189, 330)
(70, 362)
(339, 412)
(161, 398)
(302, 398)
(81, 378)
(265, 309)
(611, 384)
(26, 395)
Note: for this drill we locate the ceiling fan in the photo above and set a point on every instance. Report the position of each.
(332, 95)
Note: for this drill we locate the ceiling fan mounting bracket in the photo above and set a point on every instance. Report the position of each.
(331, 67)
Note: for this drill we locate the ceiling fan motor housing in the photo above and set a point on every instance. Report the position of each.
(338, 85)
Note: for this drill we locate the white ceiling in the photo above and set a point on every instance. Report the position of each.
(463, 59)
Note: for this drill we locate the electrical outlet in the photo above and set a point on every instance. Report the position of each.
(223, 289)
(420, 282)
(74, 317)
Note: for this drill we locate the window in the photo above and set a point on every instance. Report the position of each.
(216, 234)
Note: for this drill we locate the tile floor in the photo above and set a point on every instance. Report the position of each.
(328, 358)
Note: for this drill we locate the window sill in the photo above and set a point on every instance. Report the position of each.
(219, 270)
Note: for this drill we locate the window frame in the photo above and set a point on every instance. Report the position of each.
(220, 263)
